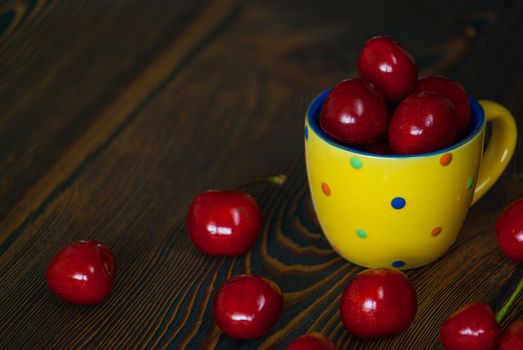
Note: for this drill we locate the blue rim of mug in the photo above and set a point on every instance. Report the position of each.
(477, 124)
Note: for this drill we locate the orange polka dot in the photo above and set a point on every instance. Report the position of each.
(436, 231)
(445, 159)
(326, 189)
(336, 249)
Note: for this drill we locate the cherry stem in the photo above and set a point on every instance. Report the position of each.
(273, 180)
(506, 306)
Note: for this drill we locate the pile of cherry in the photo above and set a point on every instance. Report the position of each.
(428, 114)
(377, 302)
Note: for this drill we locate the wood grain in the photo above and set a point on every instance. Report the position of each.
(114, 115)
(111, 118)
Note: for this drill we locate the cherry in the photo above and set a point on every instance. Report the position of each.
(422, 123)
(454, 92)
(509, 231)
(224, 222)
(354, 113)
(378, 303)
(247, 306)
(82, 273)
(387, 65)
(311, 341)
(512, 337)
(472, 327)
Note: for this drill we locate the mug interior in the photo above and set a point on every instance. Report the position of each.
(477, 123)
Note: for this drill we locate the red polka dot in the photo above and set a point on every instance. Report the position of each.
(445, 159)
(326, 189)
(436, 231)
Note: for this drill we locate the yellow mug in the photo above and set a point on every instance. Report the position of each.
(403, 211)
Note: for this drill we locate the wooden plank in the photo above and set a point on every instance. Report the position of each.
(81, 118)
(235, 112)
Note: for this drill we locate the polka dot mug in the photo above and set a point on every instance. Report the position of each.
(403, 211)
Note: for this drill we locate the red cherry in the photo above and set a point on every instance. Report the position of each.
(454, 92)
(512, 337)
(378, 303)
(509, 231)
(473, 327)
(422, 123)
(224, 222)
(82, 273)
(311, 341)
(354, 113)
(247, 306)
(386, 64)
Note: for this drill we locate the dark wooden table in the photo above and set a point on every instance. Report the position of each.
(115, 114)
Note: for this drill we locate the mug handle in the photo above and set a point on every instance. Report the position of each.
(499, 151)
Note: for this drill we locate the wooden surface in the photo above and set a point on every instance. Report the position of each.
(115, 114)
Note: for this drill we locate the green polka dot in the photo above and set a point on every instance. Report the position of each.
(356, 162)
(361, 233)
(470, 182)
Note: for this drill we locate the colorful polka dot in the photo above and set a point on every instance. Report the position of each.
(361, 233)
(398, 203)
(356, 163)
(398, 263)
(436, 231)
(445, 159)
(326, 189)
(470, 182)
(306, 133)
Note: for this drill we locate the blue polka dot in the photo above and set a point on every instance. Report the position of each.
(398, 203)
(306, 133)
(398, 263)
